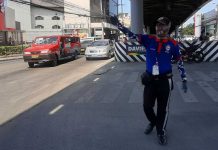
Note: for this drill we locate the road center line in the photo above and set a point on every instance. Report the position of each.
(96, 79)
(56, 109)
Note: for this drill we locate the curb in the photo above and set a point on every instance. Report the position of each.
(10, 58)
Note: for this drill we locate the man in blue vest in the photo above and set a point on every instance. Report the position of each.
(157, 79)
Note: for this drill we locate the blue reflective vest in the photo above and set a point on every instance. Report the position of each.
(158, 50)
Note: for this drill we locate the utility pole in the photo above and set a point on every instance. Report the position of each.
(216, 25)
(102, 22)
(121, 4)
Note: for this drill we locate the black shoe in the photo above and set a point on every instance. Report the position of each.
(149, 128)
(162, 139)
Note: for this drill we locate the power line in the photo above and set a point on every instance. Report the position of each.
(70, 7)
(53, 9)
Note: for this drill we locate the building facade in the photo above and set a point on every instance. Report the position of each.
(209, 23)
(48, 20)
(125, 19)
(46, 17)
(77, 17)
(10, 31)
(101, 10)
(38, 18)
(93, 19)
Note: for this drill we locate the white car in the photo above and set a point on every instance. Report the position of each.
(188, 37)
(100, 49)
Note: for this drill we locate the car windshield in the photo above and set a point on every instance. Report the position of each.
(99, 43)
(86, 42)
(46, 40)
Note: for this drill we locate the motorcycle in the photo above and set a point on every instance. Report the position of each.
(192, 54)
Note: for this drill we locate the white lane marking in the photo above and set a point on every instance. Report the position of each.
(56, 109)
(112, 67)
(96, 79)
(212, 93)
(203, 76)
(187, 97)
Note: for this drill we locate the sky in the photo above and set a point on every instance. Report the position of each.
(210, 6)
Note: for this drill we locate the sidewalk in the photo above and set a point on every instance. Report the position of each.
(11, 57)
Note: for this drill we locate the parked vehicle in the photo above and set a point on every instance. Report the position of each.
(100, 49)
(52, 49)
(84, 44)
(76, 44)
(90, 38)
(188, 37)
(193, 53)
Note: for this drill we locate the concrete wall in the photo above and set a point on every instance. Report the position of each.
(48, 3)
(123, 53)
(26, 14)
(197, 24)
(22, 14)
(9, 18)
(73, 19)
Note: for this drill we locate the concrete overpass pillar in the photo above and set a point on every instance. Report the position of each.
(137, 16)
(197, 25)
(176, 31)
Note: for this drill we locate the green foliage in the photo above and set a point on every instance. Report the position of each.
(10, 50)
(188, 30)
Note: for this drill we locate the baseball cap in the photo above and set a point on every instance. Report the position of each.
(163, 20)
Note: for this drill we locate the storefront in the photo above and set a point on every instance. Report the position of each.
(10, 33)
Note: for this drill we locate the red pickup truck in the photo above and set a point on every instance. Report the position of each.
(52, 49)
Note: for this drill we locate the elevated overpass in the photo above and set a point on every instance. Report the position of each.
(145, 12)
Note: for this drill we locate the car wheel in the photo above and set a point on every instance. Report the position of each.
(109, 55)
(74, 56)
(54, 62)
(87, 58)
(199, 56)
(78, 52)
(31, 64)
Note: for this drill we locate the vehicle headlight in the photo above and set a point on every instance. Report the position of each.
(45, 51)
(27, 53)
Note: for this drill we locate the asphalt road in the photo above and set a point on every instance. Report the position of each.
(103, 111)
(23, 87)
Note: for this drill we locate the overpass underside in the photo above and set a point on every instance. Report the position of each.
(178, 11)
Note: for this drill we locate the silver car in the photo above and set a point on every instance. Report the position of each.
(100, 49)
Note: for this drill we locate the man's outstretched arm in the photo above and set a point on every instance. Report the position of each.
(126, 31)
(177, 56)
(181, 69)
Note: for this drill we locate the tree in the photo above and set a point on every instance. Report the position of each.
(188, 30)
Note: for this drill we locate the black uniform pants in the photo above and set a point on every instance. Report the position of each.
(158, 90)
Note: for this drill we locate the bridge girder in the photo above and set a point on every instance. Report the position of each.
(178, 11)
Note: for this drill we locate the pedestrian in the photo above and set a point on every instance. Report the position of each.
(157, 79)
